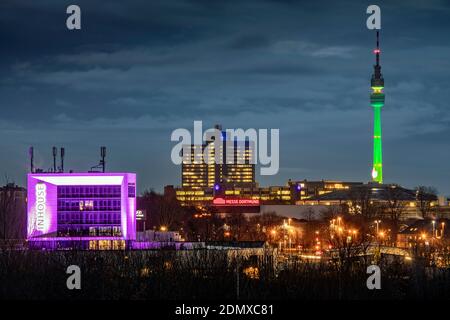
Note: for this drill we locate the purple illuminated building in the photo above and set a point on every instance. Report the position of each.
(82, 210)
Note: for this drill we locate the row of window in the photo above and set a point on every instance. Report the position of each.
(88, 191)
(89, 218)
(107, 245)
(89, 205)
(86, 231)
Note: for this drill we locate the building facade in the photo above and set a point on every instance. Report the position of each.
(376, 197)
(195, 173)
(211, 164)
(87, 210)
(289, 193)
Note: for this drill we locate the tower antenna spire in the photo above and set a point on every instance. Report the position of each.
(378, 48)
(377, 77)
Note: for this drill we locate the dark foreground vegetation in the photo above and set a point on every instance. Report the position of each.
(209, 275)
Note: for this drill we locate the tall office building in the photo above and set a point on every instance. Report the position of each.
(228, 162)
(239, 168)
(195, 173)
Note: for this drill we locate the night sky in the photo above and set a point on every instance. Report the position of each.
(139, 69)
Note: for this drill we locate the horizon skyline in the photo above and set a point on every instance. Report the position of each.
(75, 172)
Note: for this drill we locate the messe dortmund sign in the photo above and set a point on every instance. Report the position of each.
(235, 202)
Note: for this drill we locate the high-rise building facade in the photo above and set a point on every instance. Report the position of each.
(211, 165)
(290, 193)
(195, 173)
(239, 168)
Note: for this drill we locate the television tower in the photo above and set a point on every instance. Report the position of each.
(377, 102)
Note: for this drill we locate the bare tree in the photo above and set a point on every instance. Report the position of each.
(363, 204)
(161, 210)
(238, 224)
(395, 209)
(347, 246)
(270, 219)
(424, 197)
(329, 213)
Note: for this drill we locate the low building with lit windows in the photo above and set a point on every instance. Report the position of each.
(425, 232)
(81, 210)
(382, 195)
(288, 194)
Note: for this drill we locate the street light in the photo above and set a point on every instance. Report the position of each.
(377, 223)
(434, 227)
(273, 233)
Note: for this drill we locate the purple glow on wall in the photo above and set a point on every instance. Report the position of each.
(42, 208)
(128, 216)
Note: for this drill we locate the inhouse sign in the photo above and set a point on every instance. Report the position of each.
(41, 198)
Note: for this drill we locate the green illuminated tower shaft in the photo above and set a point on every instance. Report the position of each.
(377, 102)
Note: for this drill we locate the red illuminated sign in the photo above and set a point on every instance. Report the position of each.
(235, 202)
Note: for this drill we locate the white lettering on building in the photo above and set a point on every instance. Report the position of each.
(41, 200)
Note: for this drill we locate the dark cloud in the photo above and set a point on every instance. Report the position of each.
(250, 42)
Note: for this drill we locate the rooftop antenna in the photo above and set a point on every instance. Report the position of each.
(31, 153)
(102, 163)
(62, 158)
(55, 153)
